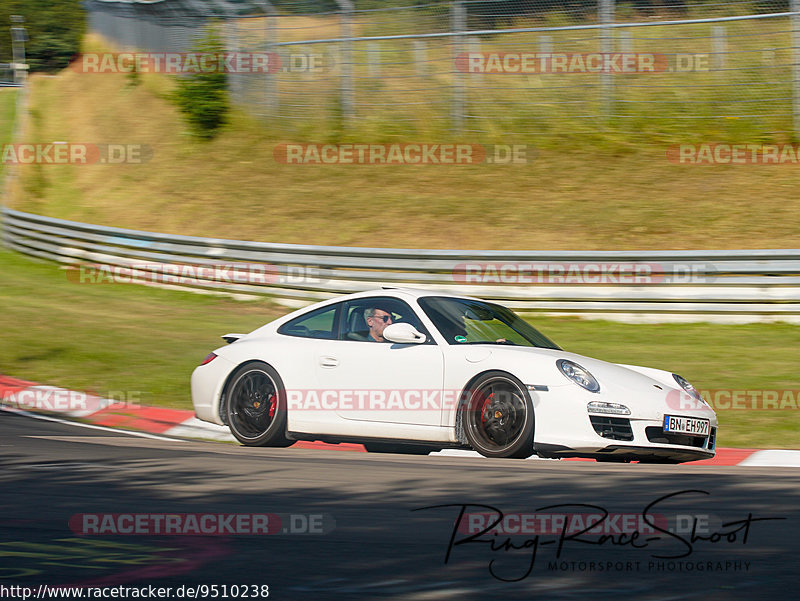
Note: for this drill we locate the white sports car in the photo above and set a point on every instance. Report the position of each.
(404, 370)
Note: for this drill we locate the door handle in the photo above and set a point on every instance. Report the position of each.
(328, 361)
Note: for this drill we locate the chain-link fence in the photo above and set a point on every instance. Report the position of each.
(510, 69)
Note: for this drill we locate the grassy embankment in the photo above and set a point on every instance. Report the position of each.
(613, 190)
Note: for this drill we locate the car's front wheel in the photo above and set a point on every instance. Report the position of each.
(256, 406)
(497, 416)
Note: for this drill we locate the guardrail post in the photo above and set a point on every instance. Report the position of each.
(346, 67)
(458, 15)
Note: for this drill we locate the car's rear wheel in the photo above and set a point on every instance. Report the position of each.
(497, 416)
(256, 406)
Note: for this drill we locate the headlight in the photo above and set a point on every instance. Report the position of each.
(683, 383)
(579, 375)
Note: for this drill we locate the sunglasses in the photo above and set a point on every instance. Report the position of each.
(385, 318)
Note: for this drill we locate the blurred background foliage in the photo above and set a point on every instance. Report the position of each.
(55, 29)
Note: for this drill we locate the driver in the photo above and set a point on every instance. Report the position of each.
(377, 320)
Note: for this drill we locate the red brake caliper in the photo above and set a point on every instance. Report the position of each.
(273, 403)
(483, 407)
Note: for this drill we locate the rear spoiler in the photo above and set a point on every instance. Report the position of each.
(231, 338)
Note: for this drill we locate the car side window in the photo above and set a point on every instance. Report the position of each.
(354, 324)
(317, 324)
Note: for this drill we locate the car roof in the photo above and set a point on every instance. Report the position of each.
(402, 291)
(392, 291)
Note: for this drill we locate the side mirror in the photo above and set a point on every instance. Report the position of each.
(403, 333)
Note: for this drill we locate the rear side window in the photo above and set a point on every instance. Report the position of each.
(317, 324)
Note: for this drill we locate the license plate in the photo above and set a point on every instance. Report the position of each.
(686, 425)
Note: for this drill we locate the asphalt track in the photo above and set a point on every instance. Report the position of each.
(377, 546)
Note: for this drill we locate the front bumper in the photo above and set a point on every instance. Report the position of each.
(565, 428)
(625, 453)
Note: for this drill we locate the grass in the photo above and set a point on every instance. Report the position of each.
(112, 337)
(144, 343)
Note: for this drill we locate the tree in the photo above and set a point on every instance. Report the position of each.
(55, 29)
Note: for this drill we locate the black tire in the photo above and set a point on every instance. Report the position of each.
(497, 416)
(256, 406)
(400, 449)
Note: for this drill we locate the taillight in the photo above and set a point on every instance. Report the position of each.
(209, 358)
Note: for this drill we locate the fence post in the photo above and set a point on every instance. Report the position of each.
(625, 40)
(231, 35)
(546, 44)
(606, 9)
(458, 17)
(271, 88)
(373, 60)
(420, 57)
(346, 66)
(795, 8)
(719, 46)
(19, 36)
(270, 78)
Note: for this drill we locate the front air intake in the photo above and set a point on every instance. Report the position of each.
(657, 435)
(615, 428)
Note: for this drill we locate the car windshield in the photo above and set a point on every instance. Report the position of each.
(463, 321)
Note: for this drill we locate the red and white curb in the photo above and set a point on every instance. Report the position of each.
(30, 397)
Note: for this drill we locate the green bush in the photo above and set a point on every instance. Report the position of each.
(203, 97)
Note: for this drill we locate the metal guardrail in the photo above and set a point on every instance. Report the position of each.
(740, 285)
